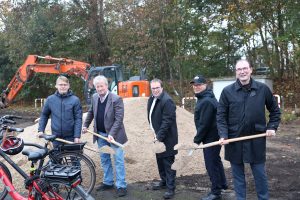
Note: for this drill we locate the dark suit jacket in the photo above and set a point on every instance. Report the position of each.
(113, 117)
(163, 120)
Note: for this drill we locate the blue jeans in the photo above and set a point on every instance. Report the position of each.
(260, 178)
(108, 175)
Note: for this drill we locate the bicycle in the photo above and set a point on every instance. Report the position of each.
(66, 154)
(71, 154)
(50, 182)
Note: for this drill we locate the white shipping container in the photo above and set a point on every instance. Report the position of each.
(220, 83)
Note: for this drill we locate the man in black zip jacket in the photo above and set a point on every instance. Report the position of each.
(205, 122)
(65, 111)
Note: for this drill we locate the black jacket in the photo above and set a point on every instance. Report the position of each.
(66, 115)
(163, 120)
(205, 117)
(241, 112)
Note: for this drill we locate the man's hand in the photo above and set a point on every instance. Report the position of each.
(110, 138)
(84, 130)
(223, 141)
(76, 140)
(270, 133)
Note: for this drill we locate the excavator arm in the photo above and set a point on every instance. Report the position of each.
(41, 64)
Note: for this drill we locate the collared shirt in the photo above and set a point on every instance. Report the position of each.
(102, 99)
(150, 113)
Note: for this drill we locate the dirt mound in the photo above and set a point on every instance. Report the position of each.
(140, 160)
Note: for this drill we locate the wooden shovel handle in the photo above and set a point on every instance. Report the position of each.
(232, 140)
(105, 138)
(69, 142)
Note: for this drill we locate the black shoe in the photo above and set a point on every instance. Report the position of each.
(121, 192)
(159, 186)
(212, 196)
(169, 194)
(103, 187)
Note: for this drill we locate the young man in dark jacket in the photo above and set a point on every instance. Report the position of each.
(241, 112)
(161, 111)
(205, 122)
(65, 111)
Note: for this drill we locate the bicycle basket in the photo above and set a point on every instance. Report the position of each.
(63, 172)
(71, 147)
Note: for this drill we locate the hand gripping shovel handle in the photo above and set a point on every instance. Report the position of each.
(105, 138)
(231, 140)
(69, 142)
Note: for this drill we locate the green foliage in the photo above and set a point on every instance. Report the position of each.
(173, 40)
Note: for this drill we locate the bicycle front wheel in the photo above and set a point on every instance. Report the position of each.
(88, 173)
(3, 190)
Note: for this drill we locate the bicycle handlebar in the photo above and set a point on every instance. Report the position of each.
(8, 128)
(8, 121)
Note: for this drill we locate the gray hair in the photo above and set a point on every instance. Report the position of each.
(100, 78)
(156, 80)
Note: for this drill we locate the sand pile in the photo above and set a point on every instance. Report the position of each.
(140, 160)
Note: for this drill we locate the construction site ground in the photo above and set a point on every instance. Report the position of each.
(283, 158)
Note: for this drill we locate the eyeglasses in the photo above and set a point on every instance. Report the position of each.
(242, 69)
(62, 85)
(155, 88)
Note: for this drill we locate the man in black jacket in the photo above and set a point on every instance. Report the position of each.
(65, 111)
(241, 112)
(162, 119)
(205, 122)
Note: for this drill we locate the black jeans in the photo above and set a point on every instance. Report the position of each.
(215, 169)
(167, 174)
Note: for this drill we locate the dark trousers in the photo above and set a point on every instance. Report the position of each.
(215, 169)
(167, 174)
(260, 178)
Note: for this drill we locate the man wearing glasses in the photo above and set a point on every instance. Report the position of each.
(241, 112)
(161, 111)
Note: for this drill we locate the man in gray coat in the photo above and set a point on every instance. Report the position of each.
(107, 110)
(241, 112)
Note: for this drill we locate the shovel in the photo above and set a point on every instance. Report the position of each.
(69, 142)
(105, 138)
(158, 147)
(178, 165)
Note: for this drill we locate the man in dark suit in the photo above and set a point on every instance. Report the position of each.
(162, 119)
(107, 110)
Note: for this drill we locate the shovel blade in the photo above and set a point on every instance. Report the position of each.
(106, 149)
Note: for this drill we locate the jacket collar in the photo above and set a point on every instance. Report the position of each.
(254, 85)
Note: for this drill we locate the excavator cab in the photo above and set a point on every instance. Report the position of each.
(114, 75)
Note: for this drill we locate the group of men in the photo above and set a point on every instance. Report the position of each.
(240, 112)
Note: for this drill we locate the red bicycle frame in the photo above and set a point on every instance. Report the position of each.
(16, 196)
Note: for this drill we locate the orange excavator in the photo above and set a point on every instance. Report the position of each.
(50, 65)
